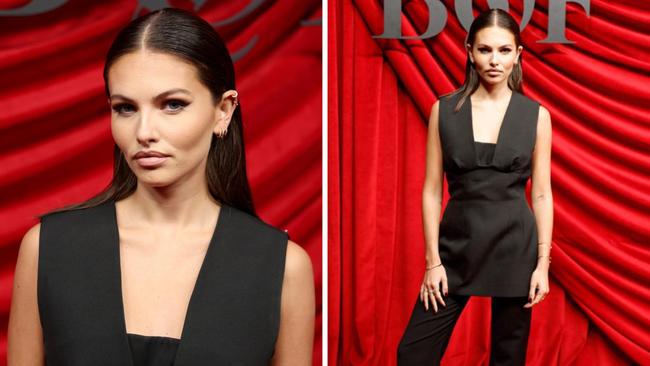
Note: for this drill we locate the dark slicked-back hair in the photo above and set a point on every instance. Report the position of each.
(190, 38)
(491, 18)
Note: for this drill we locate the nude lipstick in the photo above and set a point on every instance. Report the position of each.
(150, 159)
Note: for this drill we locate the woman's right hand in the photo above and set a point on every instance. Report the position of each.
(431, 286)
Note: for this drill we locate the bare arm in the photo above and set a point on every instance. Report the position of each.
(296, 336)
(542, 196)
(434, 285)
(25, 343)
(432, 190)
(542, 199)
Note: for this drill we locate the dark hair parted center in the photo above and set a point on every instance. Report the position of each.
(491, 18)
(190, 38)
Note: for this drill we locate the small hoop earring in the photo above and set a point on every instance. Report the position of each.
(222, 133)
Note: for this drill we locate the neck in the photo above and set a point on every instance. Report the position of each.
(186, 204)
(493, 92)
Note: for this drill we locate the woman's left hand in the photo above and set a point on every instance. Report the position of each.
(539, 282)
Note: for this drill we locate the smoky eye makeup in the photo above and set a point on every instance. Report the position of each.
(175, 104)
(505, 49)
(119, 108)
(172, 105)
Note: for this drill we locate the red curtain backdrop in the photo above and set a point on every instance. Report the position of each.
(55, 140)
(380, 97)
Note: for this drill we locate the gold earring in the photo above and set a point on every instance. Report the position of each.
(221, 133)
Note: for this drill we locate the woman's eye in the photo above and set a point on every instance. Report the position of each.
(122, 108)
(172, 105)
(175, 105)
(505, 50)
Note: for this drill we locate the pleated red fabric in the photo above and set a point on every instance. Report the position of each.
(55, 139)
(380, 98)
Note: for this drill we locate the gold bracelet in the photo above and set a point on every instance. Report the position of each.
(437, 265)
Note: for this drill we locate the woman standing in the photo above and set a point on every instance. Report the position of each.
(489, 139)
(170, 264)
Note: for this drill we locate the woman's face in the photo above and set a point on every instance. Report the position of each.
(494, 54)
(158, 105)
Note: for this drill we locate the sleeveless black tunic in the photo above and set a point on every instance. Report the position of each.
(234, 311)
(152, 350)
(488, 233)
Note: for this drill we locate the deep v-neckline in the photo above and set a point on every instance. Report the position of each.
(212, 246)
(502, 126)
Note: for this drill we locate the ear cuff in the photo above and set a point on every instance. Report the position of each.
(223, 132)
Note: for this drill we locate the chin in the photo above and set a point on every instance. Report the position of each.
(153, 178)
(494, 81)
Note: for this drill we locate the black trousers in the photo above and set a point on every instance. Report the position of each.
(427, 335)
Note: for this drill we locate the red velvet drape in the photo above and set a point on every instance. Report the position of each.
(55, 140)
(380, 97)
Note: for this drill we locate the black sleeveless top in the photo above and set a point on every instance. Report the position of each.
(488, 233)
(484, 152)
(152, 350)
(234, 311)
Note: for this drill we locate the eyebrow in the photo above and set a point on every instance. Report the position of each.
(485, 45)
(157, 97)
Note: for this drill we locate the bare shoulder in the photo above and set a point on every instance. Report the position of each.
(24, 344)
(29, 245)
(543, 122)
(433, 116)
(298, 263)
(544, 114)
(296, 334)
(435, 108)
(27, 261)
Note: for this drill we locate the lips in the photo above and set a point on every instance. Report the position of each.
(150, 159)
(149, 154)
(493, 70)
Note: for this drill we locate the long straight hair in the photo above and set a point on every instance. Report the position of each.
(182, 34)
(489, 18)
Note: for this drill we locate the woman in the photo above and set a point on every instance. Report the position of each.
(169, 265)
(489, 139)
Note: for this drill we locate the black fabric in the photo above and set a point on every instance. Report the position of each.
(428, 333)
(510, 330)
(152, 350)
(234, 310)
(488, 233)
(484, 153)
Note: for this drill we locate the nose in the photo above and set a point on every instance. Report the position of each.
(146, 132)
(494, 59)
